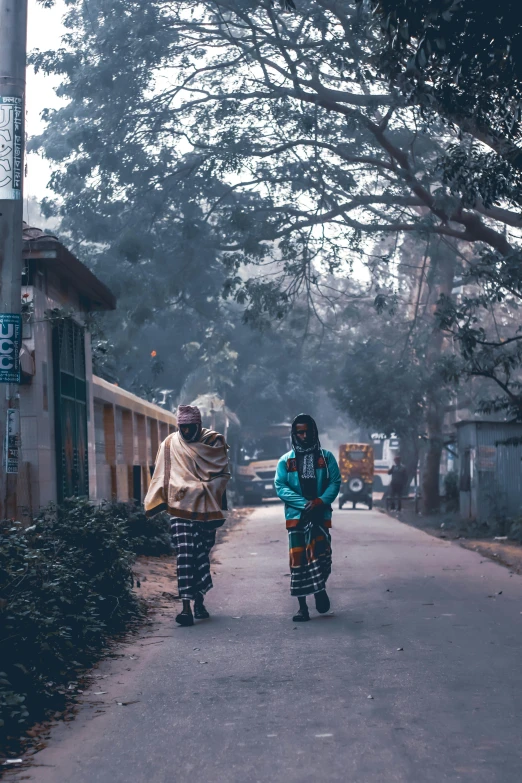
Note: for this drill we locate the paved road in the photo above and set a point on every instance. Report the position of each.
(278, 702)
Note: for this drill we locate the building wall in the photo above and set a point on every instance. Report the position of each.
(37, 476)
(128, 432)
(103, 465)
(90, 418)
(123, 431)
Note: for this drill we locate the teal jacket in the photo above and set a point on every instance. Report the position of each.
(289, 490)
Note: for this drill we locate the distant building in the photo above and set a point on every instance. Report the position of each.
(80, 435)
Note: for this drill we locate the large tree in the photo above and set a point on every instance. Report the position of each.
(462, 60)
(272, 141)
(284, 110)
(396, 369)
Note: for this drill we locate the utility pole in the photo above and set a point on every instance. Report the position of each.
(13, 53)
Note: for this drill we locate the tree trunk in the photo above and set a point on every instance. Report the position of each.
(432, 457)
(410, 455)
(442, 268)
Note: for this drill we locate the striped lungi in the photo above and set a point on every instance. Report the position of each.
(192, 542)
(310, 558)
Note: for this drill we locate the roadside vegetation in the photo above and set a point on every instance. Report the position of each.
(65, 590)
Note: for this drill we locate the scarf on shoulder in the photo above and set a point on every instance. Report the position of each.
(190, 478)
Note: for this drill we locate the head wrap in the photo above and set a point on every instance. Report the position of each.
(188, 414)
(314, 444)
(306, 455)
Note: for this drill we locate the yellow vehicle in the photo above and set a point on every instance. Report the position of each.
(356, 466)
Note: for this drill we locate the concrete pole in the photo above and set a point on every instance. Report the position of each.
(13, 53)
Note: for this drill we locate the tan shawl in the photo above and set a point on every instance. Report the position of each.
(190, 478)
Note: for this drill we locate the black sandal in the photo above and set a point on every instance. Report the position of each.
(302, 616)
(185, 618)
(322, 602)
(200, 612)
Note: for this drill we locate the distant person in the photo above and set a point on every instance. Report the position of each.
(189, 482)
(399, 481)
(308, 481)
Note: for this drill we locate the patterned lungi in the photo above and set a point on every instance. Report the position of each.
(192, 543)
(310, 558)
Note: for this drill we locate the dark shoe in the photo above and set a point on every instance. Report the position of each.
(200, 613)
(185, 618)
(322, 602)
(302, 616)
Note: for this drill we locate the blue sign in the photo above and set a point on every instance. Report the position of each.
(10, 343)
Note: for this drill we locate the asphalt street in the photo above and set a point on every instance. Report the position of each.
(415, 677)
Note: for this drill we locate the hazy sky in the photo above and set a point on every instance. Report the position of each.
(44, 32)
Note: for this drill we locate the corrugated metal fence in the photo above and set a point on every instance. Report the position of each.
(490, 470)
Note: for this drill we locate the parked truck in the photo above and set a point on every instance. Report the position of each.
(257, 460)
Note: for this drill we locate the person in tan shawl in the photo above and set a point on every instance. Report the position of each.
(189, 482)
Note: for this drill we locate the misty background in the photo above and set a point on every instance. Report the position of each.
(291, 217)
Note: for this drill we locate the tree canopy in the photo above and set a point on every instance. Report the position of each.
(462, 59)
(281, 121)
(224, 161)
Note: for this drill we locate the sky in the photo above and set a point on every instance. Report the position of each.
(44, 32)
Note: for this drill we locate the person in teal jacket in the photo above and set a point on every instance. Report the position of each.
(308, 481)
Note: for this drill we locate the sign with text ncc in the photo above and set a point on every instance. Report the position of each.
(11, 136)
(10, 342)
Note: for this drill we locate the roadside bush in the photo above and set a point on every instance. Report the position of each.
(146, 536)
(65, 587)
(515, 531)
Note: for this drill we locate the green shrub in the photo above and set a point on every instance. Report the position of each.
(515, 531)
(146, 536)
(65, 587)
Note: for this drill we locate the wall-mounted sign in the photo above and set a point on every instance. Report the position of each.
(10, 343)
(11, 132)
(12, 440)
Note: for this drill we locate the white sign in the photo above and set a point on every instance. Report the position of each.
(11, 129)
(12, 440)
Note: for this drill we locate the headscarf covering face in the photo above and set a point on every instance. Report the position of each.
(194, 431)
(306, 453)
